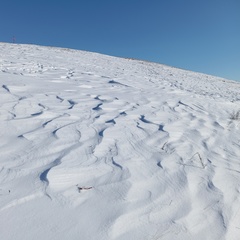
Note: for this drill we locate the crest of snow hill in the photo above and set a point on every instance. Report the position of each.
(99, 147)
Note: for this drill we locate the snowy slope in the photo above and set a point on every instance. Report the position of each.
(94, 147)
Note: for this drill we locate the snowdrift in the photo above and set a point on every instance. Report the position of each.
(99, 147)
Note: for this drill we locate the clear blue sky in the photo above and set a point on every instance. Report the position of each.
(201, 36)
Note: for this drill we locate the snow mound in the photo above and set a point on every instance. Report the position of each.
(99, 147)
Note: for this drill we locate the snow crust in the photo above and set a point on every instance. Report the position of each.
(94, 147)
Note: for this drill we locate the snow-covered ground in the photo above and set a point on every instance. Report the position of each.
(94, 147)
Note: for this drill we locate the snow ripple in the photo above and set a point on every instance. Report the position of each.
(116, 148)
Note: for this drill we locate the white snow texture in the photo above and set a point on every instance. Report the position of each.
(94, 147)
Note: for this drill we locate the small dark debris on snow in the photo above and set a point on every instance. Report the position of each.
(83, 188)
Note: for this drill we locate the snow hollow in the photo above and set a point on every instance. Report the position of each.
(94, 147)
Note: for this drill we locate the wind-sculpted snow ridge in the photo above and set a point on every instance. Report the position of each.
(98, 147)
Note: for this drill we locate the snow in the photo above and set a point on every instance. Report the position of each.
(99, 147)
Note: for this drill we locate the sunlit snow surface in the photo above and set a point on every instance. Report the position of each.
(94, 147)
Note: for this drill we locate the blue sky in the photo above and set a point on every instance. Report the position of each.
(202, 36)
